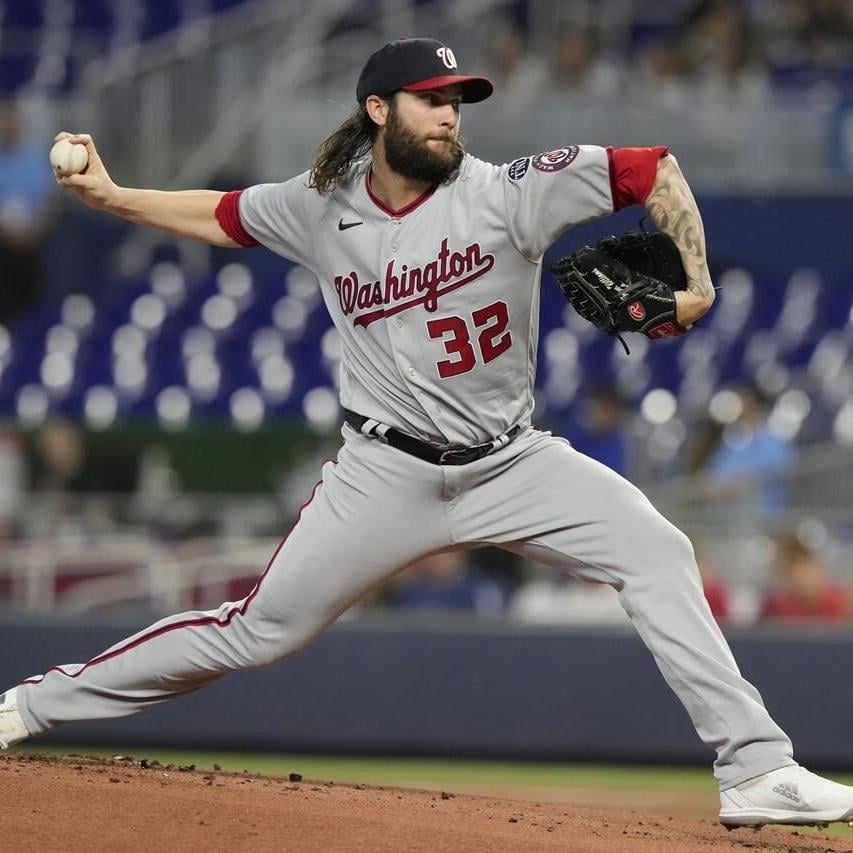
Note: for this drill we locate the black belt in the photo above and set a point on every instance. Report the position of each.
(434, 453)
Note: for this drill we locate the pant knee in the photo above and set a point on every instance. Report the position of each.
(666, 556)
(681, 546)
(259, 643)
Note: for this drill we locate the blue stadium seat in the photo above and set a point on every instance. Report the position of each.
(93, 24)
(28, 14)
(15, 71)
(94, 15)
(160, 18)
(284, 360)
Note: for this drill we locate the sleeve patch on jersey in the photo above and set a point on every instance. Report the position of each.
(553, 161)
(518, 169)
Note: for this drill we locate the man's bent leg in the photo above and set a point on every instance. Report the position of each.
(367, 518)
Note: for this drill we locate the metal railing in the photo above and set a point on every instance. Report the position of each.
(151, 106)
(184, 108)
(248, 94)
(202, 105)
(108, 551)
(734, 519)
(128, 571)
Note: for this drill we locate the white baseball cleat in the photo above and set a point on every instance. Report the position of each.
(790, 795)
(12, 728)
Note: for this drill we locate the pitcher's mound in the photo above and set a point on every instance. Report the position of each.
(73, 804)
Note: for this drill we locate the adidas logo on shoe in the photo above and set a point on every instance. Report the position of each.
(790, 795)
(789, 790)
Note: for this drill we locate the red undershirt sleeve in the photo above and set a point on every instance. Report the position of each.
(632, 173)
(228, 217)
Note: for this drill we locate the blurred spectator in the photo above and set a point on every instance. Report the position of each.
(446, 582)
(599, 430)
(810, 32)
(749, 463)
(735, 72)
(12, 480)
(62, 469)
(27, 190)
(706, 436)
(664, 73)
(720, 42)
(564, 600)
(710, 25)
(518, 75)
(59, 457)
(803, 591)
(57, 467)
(716, 589)
(579, 68)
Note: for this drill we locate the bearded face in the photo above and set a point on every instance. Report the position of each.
(429, 159)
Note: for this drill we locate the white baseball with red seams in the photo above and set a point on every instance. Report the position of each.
(68, 158)
(437, 308)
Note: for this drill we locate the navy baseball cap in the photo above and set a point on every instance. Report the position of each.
(416, 65)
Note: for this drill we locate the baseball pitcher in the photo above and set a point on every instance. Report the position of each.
(429, 261)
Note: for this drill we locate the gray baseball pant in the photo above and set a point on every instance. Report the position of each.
(378, 509)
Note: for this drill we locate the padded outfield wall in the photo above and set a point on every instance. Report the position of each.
(459, 688)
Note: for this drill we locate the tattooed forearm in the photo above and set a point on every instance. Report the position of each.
(673, 209)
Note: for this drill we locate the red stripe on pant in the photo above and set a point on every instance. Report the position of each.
(187, 623)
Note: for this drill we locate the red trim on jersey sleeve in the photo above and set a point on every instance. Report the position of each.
(228, 217)
(632, 173)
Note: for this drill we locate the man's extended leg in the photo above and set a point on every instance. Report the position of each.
(562, 508)
(374, 511)
(568, 511)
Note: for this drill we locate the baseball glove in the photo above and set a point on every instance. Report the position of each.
(626, 284)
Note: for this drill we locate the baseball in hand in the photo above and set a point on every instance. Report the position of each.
(68, 158)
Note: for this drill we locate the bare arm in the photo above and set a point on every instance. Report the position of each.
(187, 213)
(673, 209)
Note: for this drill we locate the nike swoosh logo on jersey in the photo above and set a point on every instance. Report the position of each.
(342, 226)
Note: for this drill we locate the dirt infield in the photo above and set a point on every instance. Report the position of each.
(80, 804)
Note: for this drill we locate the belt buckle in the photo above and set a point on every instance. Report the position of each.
(447, 456)
(463, 455)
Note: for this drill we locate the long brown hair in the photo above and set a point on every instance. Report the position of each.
(351, 141)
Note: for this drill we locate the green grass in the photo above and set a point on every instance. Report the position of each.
(396, 771)
(389, 771)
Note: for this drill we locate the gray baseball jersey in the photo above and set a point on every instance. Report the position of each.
(437, 304)
(437, 308)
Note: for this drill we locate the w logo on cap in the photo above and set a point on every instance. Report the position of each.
(447, 57)
(415, 65)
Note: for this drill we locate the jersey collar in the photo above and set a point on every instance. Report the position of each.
(412, 205)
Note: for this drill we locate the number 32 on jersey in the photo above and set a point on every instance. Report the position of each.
(492, 338)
